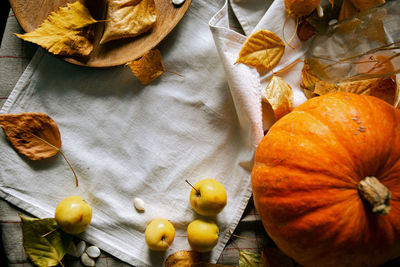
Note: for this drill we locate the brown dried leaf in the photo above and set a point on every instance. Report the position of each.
(183, 258)
(384, 88)
(128, 18)
(279, 95)
(263, 50)
(63, 32)
(149, 67)
(34, 135)
(379, 87)
(305, 31)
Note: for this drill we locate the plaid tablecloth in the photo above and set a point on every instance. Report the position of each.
(15, 54)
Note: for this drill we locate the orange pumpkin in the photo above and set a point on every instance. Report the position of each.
(326, 181)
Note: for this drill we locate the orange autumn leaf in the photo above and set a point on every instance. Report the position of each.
(262, 50)
(299, 8)
(64, 31)
(34, 135)
(149, 67)
(279, 95)
(127, 18)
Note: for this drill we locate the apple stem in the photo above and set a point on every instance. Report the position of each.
(50, 232)
(198, 192)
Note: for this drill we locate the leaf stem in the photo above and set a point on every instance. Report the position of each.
(72, 169)
(50, 232)
(62, 154)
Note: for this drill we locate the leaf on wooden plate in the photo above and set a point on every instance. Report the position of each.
(279, 95)
(43, 250)
(127, 18)
(63, 32)
(149, 67)
(248, 258)
(34, 135)
(262, 50)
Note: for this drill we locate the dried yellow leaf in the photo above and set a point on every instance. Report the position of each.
(149, 67)
(63, 33)
(128, 18)
(384, 88)
(299, 8)
(263, 50)
(279, 95)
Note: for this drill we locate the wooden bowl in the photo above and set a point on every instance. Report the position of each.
(31, 13)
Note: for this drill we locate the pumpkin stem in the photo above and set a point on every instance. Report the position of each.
(376, 194)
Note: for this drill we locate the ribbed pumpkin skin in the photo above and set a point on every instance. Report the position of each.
(305, 180)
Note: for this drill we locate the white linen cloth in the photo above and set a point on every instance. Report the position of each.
(127, 140)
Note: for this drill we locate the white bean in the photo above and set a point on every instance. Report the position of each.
(93, 251)
(87, 261)
(139, 204)
(178, 2)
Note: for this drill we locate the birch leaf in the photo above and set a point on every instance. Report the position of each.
(263, 50)
(127, 18)
(63, 32)
(248, 259)
(149, 67)
(44, 250)
(279, 95)
(34, 135)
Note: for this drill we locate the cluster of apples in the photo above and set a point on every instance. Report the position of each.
(208, 198)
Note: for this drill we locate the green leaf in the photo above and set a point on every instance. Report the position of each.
(45, 250)
(249, 259)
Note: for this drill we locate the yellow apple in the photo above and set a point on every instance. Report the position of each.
(159, 234)
(73, 215)
(202, 235)
(208, 197)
